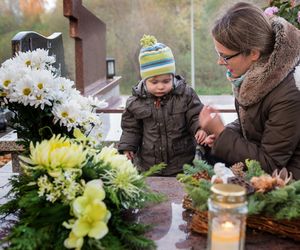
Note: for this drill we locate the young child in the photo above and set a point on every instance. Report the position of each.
(160, 122)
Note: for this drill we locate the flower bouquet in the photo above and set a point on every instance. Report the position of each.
(42, 102)
(72, 192)
(72, 195)
(273, 200)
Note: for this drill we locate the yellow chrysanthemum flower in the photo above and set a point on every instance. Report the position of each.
(56, 154)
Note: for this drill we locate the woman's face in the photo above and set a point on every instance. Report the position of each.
(235, 61)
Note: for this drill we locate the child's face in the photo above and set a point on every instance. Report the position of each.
(160, 85)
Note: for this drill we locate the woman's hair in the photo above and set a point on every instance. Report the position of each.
(245, 27)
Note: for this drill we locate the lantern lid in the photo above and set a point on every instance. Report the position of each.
(228, 193)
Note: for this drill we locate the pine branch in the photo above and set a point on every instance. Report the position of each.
(154, 170)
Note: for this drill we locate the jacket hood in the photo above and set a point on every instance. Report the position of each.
(267, 73)
(178, 87)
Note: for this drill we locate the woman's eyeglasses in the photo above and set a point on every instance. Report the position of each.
(226, 58)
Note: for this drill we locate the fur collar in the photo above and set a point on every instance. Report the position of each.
(268, 73)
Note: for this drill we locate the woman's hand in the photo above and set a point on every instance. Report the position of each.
(209, 140)
(210, 120)
(200, 136)
(129, 155)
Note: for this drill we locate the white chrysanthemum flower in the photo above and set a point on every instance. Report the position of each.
(67, 114)
(94, 102)
(23, 91)
(6, 78)
(63, 88)
(43, 80)
(9, 78)
(40, 99)
(28, 79)
(43, 92)
(38, 59)
(64, 84)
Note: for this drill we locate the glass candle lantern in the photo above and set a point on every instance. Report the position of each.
(227, 217)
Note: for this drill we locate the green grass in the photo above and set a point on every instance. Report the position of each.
(221, 90)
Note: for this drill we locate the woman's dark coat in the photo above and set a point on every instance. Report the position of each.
(268, 107)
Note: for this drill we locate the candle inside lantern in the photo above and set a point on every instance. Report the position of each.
(225, 234)
(227, 217)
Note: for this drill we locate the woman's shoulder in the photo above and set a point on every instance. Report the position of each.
(288, 90)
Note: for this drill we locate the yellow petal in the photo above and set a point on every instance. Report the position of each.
(94, 190)
(79, 205)
(79, 135)
(81, 227)
(73, 241)
(55, 174)
(107, 216)
(96, 211)
(99, 230)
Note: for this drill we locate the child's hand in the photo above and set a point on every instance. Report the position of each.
(129, 155)
(209, 140)
(200, 136)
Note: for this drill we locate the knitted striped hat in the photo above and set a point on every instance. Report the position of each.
(155, 58)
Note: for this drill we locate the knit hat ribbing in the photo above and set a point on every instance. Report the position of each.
(155, 58)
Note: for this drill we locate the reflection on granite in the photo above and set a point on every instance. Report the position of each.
(169, 219)
(171, 222)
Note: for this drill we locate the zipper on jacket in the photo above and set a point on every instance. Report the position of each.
(157, 103)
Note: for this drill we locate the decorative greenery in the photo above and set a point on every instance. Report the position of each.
(280, 203)
(253, 169)
(289, 10)
(73, 195)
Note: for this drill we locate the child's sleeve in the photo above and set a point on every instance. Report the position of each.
(131, 130)
(193, 111)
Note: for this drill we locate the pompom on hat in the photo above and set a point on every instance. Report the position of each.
(155, 58)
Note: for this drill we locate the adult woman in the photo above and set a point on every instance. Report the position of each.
(262, 60)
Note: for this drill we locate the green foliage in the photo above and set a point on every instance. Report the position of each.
(222, 89)
(93, 171)
(189, 170)
(256, 203)
(34, 131)
(36, 223)
(201, 194)
(253, 169)
(198, 166)
(280, 203)
(131, 233)
(154, 170)
(198, 190)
